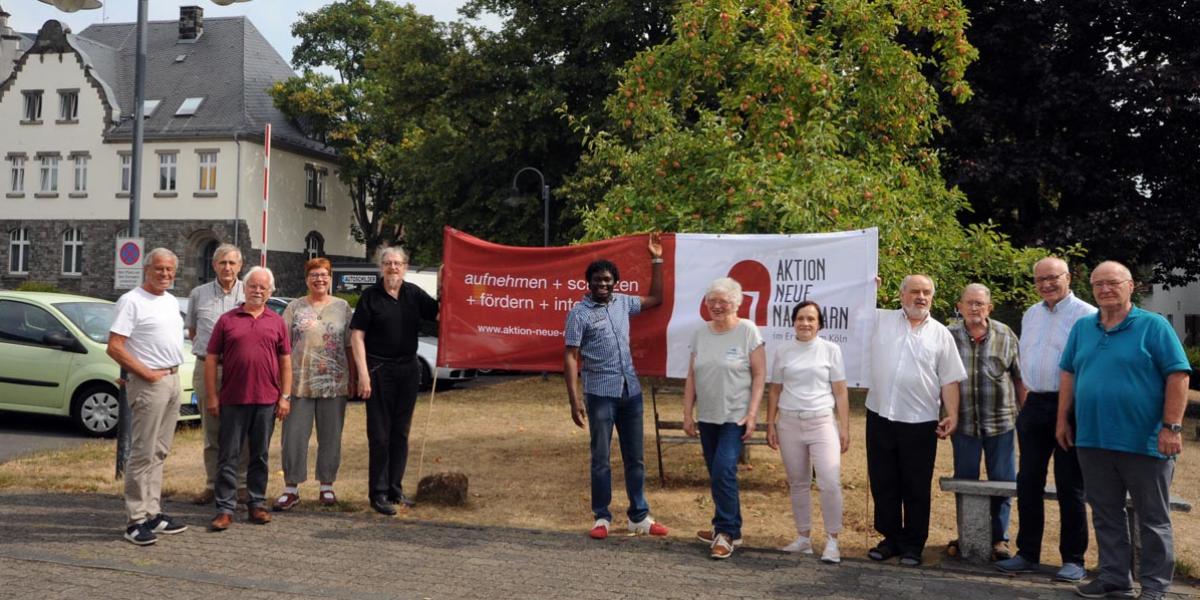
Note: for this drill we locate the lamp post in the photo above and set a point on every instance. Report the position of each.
(135, 176)
(515, 199)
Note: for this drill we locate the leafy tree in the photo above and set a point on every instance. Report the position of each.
(762, 116)
(1084, 128)
(349, 113)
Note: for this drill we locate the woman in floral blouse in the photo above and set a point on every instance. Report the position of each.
(321, 383)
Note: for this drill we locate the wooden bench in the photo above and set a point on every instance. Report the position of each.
(661, 425)
(973, 502)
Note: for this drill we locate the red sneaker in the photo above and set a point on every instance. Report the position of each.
(600, 529)
(649, 526)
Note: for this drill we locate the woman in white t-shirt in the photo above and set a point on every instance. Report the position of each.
(725, 380)
(808, 384)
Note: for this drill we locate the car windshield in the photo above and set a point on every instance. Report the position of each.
(94, 318)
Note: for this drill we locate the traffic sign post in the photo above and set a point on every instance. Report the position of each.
(127, 263)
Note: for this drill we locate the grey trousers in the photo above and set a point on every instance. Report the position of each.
(212, 431)
(329, 414)
(1108, 475)
(243, 424)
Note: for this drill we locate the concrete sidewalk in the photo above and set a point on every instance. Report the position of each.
(69, 546)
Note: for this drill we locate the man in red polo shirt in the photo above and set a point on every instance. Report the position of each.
(253, 347)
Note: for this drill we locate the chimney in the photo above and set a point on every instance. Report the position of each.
(191, 23)
(10, 44)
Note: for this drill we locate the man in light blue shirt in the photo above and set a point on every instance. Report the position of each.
(1044, 331)
(1125, 374)
(597, 338)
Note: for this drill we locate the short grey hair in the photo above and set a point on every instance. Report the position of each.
(976, 287)
(257, 269)
(224, 249)
(908, 278)
(1120, 268)
(727, 287)
(154, 255)
(1054, 260)
(384, 251)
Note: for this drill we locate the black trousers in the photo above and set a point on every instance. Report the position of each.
(1035, 434)
(389, 418)
(900, 460)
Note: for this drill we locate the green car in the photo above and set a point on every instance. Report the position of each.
(53, 360)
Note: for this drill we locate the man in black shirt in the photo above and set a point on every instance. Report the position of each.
(383, 337)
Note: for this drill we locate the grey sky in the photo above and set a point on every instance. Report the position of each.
(273, 18)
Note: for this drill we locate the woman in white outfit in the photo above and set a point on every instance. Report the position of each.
(808, 416)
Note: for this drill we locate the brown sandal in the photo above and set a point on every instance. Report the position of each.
(286, 501)
(327, 498)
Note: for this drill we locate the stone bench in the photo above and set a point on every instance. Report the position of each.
(973, 503)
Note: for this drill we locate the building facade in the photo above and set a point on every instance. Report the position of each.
(66, 110)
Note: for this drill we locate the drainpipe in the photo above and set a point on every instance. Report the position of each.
(237, 195)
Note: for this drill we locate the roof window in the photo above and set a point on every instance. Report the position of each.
(149, 106)
(189, 107)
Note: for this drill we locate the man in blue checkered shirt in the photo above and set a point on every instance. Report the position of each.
(597, 338)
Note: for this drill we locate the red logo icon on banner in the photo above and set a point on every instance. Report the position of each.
(755, 280)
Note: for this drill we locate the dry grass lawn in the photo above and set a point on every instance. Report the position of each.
(528, 467)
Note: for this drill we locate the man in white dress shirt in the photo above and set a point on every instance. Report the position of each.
(915, 370)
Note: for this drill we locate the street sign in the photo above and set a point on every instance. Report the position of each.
(127, 263)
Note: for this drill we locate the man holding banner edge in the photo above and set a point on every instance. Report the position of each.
(597, 337)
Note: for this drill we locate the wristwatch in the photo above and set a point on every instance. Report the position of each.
(285, 397)
(1173, 427)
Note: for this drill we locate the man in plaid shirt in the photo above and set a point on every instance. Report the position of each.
(987, 408)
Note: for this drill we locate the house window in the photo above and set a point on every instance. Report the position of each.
(166, 172)
(314, 186)
(33, 105)
(49, 174)
(208, 171)
(18, 251)
(81, 168)
(205, 272)
(314, 245)
(68, 105)
(72, 252)
(17, 174)
(126, 171)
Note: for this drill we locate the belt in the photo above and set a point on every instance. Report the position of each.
(806, 414)
(1047, 396)
(392, 359)
(170, 370)
(199, 357)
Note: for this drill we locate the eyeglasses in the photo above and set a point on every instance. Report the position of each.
(975, 304)
(394, 263)
(315, 275)
(1048, 278)
(1110, 284)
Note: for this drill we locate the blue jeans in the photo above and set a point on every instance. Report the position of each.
(722, 444)
(999, 455)
(625, 413)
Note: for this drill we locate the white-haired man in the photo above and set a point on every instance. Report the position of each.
(252, 344)
(146, 340)
(383, 339)
(915, 370)
(206, 304)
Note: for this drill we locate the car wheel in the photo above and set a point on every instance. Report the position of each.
(95, 409)
(426, 375)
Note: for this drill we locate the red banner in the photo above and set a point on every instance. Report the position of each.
(504, 307)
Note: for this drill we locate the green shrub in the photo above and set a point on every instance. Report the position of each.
(1193, 354)
(38, 286)
(349, 297)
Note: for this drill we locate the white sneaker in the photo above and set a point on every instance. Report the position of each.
(831, 554)
(648, 526)
(802, 545)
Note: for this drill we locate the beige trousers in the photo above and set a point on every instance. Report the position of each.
(154, 409)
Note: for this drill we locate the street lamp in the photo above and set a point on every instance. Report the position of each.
(73, 5)
(515, 199)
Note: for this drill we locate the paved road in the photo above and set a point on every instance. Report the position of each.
(22, 433)
(55, 546)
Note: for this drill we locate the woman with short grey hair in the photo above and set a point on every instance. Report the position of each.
(725, 380)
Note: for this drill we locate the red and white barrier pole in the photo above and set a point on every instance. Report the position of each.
(266, 191)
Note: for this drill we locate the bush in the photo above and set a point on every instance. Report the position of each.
(350, 297)
(38, 286)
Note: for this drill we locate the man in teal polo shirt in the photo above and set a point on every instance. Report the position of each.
(1125, 373)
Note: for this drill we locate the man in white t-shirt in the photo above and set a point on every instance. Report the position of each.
(146, 339)
(915, 370)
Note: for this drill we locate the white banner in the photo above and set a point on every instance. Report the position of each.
(836, 270)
